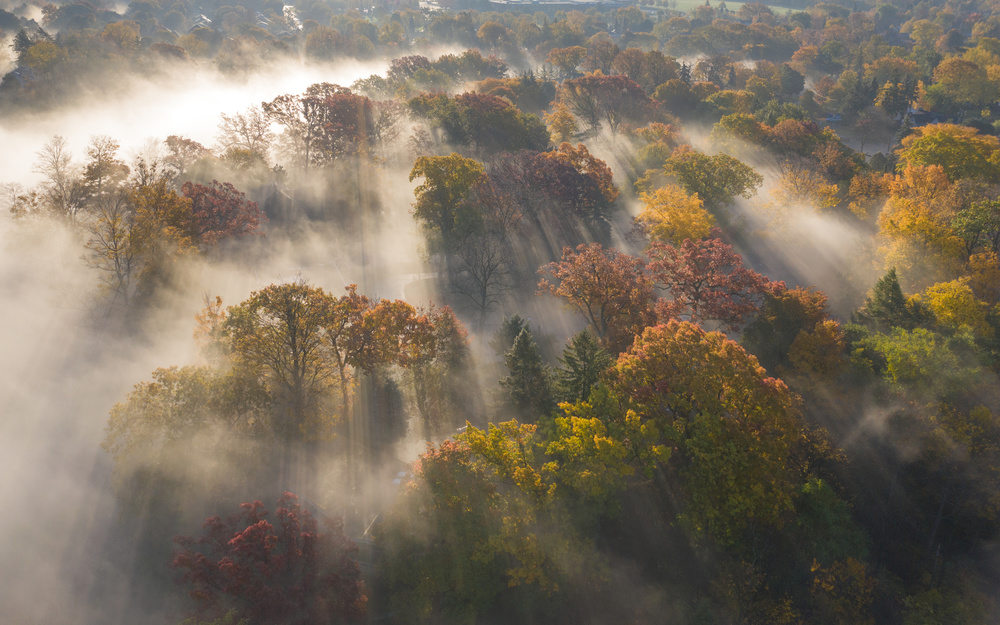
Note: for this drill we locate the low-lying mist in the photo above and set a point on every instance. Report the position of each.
(180, 100)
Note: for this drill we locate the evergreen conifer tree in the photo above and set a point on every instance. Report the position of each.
(527, 389)
(583, 361)
(886, 307)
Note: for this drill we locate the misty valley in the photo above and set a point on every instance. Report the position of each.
(482, 311)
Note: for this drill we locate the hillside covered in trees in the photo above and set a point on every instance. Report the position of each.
(498, 312)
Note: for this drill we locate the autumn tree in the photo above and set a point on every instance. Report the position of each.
(960, 150)
(115, 244)
(326, 123)
(182, 153)
(670, 215)
(439, 558)
(487, 122)
(784, 315)
(978, 225)
(103, 171)
(707, 281)
(733, 429)
(614, 100)
(178, 425)
(915, 225)
(444, 387)
(611, 290)
(279, 335)
(483, 269)
(961, 84)
(167, 232)
(566, 60)
(289, 570)
(221, 212)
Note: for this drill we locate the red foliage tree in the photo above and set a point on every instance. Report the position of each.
(290, 573)
(708, 282)
(348, 125)
(610, 289)
(222, 212)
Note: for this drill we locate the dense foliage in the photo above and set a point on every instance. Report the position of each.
(775, 231)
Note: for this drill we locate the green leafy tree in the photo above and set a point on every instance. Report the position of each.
(718, 180)
(445, 197)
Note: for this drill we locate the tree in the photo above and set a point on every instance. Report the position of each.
(174, 423)
(800, 183)
(166, 232)
(488, 122)
(444, 199)
(583, 362)
(103, 172)
(221, 212)
(955, 306)
(306, 118)
(55, 165)
(444, 383)
(249, 131)
(886, 308)
(916, 225)
(484, 268)
(978, 225)
(927, 366)
(289, 571)
(611, 290)
(733, 429)
(708, 282)
(115, 244)
(670, 215)
(717, 180)
(784, 314)
(527, 388)
(960, 150)
(597, 98)
(963, 84)
(279, 335)
(182, 153)
(443, 557)
(562, 124)
(346, 125)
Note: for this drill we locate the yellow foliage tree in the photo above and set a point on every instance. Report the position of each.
(959, 150)
(671, 215)
(124, 35)
(867, 194)
(801, 184)
(915, 227)
(955, 305)
(984, 276)
(820, 351)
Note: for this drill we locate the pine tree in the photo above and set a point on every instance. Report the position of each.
(527, 390)
(506, 334)
(583, 361)
(886, 307)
